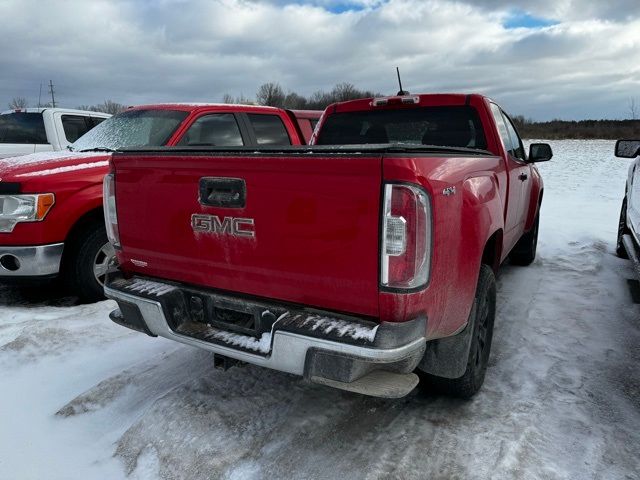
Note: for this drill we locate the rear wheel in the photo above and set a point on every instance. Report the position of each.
(483, 316)
(524, 252)
(88, 262)
(622, 230)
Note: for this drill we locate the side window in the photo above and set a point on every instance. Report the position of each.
(75, 126)
(502, 127)
(20, 127)
(269, 129)
(215, 130)
(97, 120)
(517, 149)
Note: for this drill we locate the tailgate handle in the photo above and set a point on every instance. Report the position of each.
(223, 192)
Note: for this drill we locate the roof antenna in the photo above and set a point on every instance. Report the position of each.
(401, 92)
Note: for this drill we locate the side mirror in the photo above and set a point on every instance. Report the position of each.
(627, 148)
(540, 152)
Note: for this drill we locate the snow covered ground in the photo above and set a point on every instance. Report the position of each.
(83, 398)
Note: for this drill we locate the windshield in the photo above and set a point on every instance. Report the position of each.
(21, 127)
(451, 126)
(133, 128)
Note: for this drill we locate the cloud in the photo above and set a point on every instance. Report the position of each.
(171, 50)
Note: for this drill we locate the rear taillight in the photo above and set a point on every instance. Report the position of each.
(110, 213)
(406, 237)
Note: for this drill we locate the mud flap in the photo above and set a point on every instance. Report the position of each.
(448, 357)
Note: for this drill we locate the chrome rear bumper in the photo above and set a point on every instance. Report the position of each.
(321, 346)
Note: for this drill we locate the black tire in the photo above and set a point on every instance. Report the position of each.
(524, 252)
(483, 317)
(87, 248)
(622, 230)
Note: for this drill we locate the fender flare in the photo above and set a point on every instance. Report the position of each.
(447, 357)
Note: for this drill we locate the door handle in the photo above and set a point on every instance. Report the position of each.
(523, 176)
(223, 192)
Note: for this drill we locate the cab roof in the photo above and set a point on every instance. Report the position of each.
(190, 106)
(51, 109)
(409, 100)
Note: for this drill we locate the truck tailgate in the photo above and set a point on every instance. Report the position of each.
(308, 232)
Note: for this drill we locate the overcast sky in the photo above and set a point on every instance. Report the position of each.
(569, 59)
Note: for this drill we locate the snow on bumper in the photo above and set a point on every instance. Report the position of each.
(341, 351)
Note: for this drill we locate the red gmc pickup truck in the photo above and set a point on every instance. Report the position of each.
(356, 262)
(51, 219)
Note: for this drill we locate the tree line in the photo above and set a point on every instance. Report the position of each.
(582, 129)
(273, 94)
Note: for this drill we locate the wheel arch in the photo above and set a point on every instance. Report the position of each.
(84, 222)
(492, 253)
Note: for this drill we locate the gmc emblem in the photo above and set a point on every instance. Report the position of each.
(237, 227)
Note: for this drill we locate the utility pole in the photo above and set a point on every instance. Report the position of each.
(53, 99)
(40, 96)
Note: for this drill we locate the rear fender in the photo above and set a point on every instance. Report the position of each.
(482, 226)
(467, 211)
(482, 218)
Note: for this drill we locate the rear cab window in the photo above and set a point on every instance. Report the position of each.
(449, 126)
(269, 129)
(22, 127)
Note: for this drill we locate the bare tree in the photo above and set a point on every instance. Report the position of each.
(345, 91)
(319, 100)
(18, 102)
(634, 108)
(228, 98)
(521, 121)
(270, 94)
(295, 101)
(108, 106)
(339, 93)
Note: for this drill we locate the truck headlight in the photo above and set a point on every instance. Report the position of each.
(15, 209)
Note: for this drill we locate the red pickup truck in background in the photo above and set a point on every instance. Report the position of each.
(51, 219)
(352, 262)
